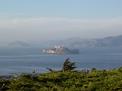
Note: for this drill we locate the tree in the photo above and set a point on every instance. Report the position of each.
(68, 66)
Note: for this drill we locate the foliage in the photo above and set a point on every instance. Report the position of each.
(66, 80)
(68, 66)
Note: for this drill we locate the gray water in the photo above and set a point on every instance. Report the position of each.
(40, 63)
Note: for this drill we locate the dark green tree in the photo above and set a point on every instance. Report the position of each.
(68, 65)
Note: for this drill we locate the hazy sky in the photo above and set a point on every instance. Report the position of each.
(56, 19)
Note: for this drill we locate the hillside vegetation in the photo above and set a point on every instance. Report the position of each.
(67, 79)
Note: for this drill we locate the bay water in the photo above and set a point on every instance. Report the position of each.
(40, 63)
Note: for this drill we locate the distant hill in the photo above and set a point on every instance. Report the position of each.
(18, 44)
(111, 44)
(104, 42)
(113, 41)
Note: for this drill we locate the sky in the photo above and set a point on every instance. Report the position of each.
(42, 20)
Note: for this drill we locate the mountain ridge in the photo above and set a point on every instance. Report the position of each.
(111, 41)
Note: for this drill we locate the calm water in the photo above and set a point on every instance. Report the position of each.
(28, 63)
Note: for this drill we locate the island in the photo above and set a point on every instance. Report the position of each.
(60, 50)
